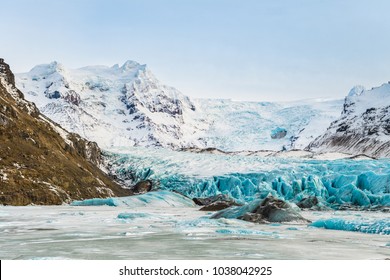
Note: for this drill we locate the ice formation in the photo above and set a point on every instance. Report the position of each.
(363, 183)
(377, 227)
(152, 199)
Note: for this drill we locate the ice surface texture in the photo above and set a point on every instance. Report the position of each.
(378, 227)
(158, 199)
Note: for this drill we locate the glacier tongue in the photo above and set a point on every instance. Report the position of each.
(362, 183)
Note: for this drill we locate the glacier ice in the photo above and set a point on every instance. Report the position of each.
(363, 183)
(160, 198)
(377, 227)
(278, 133)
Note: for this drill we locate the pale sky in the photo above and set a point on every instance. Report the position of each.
(239, 49)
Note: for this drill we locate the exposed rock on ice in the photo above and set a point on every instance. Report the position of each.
(269, 209)
(142, 187)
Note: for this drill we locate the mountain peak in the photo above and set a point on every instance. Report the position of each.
(131, 65)
(6, 72)
(356, 90)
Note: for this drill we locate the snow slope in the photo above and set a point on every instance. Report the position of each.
(240, 126)
(363, 127)
(127, 106)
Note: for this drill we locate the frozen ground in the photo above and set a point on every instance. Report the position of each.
(164, 226)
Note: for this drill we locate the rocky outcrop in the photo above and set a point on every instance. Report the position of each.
(41, 163)
(215, 203)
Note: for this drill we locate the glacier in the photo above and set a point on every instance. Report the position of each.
(361, 183)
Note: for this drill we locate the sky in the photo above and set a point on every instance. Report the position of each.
(253, 50)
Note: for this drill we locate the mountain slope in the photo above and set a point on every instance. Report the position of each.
(363, 127)
(40, 162)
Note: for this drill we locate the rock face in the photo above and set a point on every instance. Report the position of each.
(362, 128)
(270, 209)
(41, 163)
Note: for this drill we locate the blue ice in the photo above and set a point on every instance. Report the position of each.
(363, 183)
(378, 227)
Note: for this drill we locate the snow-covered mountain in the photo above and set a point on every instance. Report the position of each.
(114, 106)
(122, 106)
(363, 127)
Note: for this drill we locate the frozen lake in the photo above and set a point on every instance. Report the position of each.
(174, 229)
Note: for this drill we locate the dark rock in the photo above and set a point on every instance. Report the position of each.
(202, 201)
(276, 210)
(308, 202)
(142, 187)
(218, 205)
(253, 218)
(270, 209)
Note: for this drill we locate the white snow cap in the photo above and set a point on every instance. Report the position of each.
(356, 90)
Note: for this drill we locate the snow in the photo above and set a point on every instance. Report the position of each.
(124, 106)
(114, 106)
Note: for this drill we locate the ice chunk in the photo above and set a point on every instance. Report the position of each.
(278, 133)
(159, 198)
(95, 202)
(132, 216)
